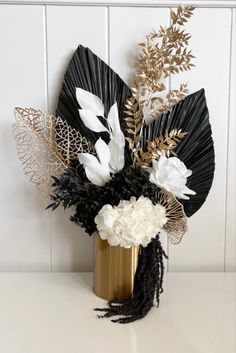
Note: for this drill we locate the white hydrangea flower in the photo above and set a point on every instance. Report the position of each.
(131, 223)
(171, 174)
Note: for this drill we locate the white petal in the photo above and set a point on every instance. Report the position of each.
(117, 156)
(103, 152)
(152, 178)
(103, 235)
(95, 171)
(188, 173)
(114, 124)
(91, 121)
(85, 158)
(155, 164)
(188, 191)
(113, 119)
(88, 100)
(162, 160)
(181, 193)
(113, 240)
(95, 178)
(98, 174)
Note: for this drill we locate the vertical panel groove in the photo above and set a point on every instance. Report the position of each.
(46, 56)
(169, 87)
(208, 225)
(47, 109)
(67, 27)
(108, 35)
(227, 133)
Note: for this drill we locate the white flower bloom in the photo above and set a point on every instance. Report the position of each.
(171, 174)
(131, 223)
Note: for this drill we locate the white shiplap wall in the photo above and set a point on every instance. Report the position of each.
(37, 39)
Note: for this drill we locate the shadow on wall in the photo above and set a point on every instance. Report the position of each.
(72, 248)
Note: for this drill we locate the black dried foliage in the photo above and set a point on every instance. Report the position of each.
(73, 189)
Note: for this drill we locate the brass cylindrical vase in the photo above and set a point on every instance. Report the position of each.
(114, 270)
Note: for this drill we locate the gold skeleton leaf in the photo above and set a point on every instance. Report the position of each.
(163, 53)
(176, 225)
(46, 145)
(163, 145)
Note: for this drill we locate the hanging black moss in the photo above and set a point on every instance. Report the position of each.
(148, 285)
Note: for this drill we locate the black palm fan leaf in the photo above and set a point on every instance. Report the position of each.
(196, 150)
(89, 72)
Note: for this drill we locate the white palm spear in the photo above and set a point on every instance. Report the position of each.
(110, 157)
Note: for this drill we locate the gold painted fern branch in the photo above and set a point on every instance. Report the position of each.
(163, 145)
(163, 53)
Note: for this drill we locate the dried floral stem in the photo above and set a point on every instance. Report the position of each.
(163, 53)
(163, 145)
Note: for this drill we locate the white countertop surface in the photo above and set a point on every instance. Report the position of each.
(53, 313)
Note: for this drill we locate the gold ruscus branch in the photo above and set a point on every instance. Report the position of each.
(163, 52)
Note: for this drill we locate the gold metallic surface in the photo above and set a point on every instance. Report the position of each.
(114, 270)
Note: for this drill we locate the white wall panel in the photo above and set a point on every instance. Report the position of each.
(203, 246)
(67, 27)
(128, 27)
(230, 240)
(24, 235)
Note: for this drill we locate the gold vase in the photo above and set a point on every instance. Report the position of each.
(114, 270)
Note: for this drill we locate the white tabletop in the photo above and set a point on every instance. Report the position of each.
(53, 313)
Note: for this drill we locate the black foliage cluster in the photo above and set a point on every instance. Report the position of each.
(147, 286)
(74, 189)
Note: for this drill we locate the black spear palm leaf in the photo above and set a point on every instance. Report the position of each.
(89, 72)
(196, 150)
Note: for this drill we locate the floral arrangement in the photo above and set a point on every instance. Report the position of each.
(129, 162)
